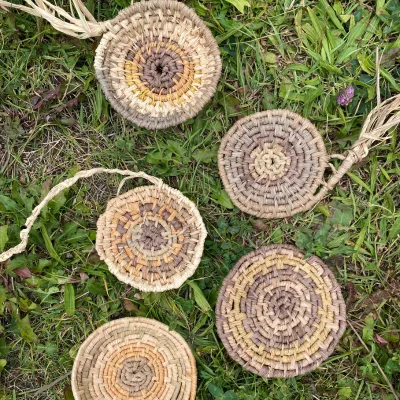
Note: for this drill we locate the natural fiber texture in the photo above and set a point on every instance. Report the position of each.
(134, 359)
(279, 314)
(151, 237)
(157, 62)
(271, 163)
(83, 26)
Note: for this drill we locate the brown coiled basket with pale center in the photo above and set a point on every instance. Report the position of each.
(280, 314)
(134, 359)
(273, 163)
(157, 62)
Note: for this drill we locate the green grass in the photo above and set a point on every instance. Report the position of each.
(281, 53)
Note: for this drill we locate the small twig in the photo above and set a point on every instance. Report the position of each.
(45, 388)
(375, 361)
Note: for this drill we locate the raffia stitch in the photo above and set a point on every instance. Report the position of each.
(134, 359)
(278, 313)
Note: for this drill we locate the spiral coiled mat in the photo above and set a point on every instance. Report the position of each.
(271, 163)
(279, 314)
(134, 358)
(151, 237)
(158, 64)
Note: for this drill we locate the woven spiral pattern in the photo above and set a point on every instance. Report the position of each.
(132, 359)
(159, 64)
(151, 237)
(279, 314)
(271, 163)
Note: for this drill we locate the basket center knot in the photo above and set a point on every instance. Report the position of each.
(152, 235)
(162, 68)
(269, 161)
(136, 375)
(283, 307)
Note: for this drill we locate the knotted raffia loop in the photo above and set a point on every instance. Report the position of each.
(158, 64)
(278, 313)
(271, 163)
(151, 237)
(82, 27)
(24, 234)
(134, 359)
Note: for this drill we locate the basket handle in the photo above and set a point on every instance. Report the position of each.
(24, 234)
(383, 117)
(82, 27)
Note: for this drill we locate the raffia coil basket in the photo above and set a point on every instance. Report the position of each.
(134, 359)
(157, 62)
(279, 314)
(272, 163)
(151, 237)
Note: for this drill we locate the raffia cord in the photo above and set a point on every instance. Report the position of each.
(24, 234)
(82, 27)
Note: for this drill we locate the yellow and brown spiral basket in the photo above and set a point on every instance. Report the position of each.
(280, 314)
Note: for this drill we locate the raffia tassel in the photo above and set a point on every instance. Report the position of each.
(82, 27)
(380, 120)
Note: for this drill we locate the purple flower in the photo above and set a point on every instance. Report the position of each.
(345, 96)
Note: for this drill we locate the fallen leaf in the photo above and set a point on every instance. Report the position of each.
(380, 340)
(260, 225)
(129, 306)
(23, 272)
(50, 95)
(84, 276)
(352, 293)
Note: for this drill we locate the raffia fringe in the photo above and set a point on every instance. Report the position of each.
(381, 119)
(81, 26)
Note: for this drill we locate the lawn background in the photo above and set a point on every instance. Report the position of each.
(54, 121)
